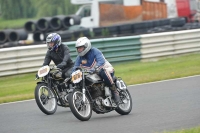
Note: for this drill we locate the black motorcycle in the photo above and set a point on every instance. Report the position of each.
(52, 90)
(90, 93)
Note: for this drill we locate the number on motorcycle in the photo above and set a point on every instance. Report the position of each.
(76, 76)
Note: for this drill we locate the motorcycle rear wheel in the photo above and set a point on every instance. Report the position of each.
(47, 105)
(81, 110)
(125, 107)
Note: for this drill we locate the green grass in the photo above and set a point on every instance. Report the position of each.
(21, 87)
(13, 24)
(192, 130)
(134, 73)
(16, 88)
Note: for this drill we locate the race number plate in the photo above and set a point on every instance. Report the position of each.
(76, 76)
(43, 71)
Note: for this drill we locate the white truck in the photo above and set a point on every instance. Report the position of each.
(90, 10)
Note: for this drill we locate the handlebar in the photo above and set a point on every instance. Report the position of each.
(85, 70)
(56, 68)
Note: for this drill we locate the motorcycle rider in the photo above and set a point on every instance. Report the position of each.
(59, 54)
(92, 58)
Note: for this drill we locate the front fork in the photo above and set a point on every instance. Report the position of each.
(49, 85)
(83, 89)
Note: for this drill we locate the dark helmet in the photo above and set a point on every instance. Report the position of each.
(53, 37)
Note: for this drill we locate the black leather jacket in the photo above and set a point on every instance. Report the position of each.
(61, 57)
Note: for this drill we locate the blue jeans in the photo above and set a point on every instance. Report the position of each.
(107, 77)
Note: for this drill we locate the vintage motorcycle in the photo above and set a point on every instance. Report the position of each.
(90, 93)
(52, 90)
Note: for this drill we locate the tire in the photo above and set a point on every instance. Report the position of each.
(46, 105)
(126, 106)
(82, 111)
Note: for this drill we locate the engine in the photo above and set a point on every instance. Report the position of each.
(97, 90)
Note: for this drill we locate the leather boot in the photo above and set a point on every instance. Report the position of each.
(115, 94)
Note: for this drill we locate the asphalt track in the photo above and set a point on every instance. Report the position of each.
(157, 107)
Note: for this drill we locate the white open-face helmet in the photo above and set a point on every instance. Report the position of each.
(83, 41)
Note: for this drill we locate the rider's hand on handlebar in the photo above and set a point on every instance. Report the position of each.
(92, 70)
(54, 67)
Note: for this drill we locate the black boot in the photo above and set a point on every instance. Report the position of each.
(115, 94)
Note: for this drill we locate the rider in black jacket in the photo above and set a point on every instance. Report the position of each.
(59, 54)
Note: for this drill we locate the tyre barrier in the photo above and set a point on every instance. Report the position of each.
(97, 31)
(16, 35)
(113, 30)
(43, 24)
(126, 29)
(71, 20)
(164, 22)
(4, 35)
(156, 23)
(56, 22)
(178, 22)
(59, 22)
(31, 26)
(81, 33)
(48, 25)
(149, 25)
(66, 35)
(140, 28)
(39, 36)
(192, 25)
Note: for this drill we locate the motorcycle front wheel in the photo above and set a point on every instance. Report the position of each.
(125, 105)
(46, 100)
(81, 110)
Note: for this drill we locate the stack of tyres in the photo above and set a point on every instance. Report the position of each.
(31, 26)
(4, 35)
(43, 24)
(16, 35)
(177, 22)
(38, 36)
(126, 29)
(140, 28)
(81, 33)
(98, 32)
(113, 30)
(56, 22)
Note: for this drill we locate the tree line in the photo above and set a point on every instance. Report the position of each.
(15, 9)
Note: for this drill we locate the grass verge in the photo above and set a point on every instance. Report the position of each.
(21, 87)
(13, 24)
(191, 130)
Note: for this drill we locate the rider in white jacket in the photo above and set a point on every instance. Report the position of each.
(92, 58)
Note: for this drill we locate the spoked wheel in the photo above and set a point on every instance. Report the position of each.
(81, 110)
(45, 101)
(125, 105)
